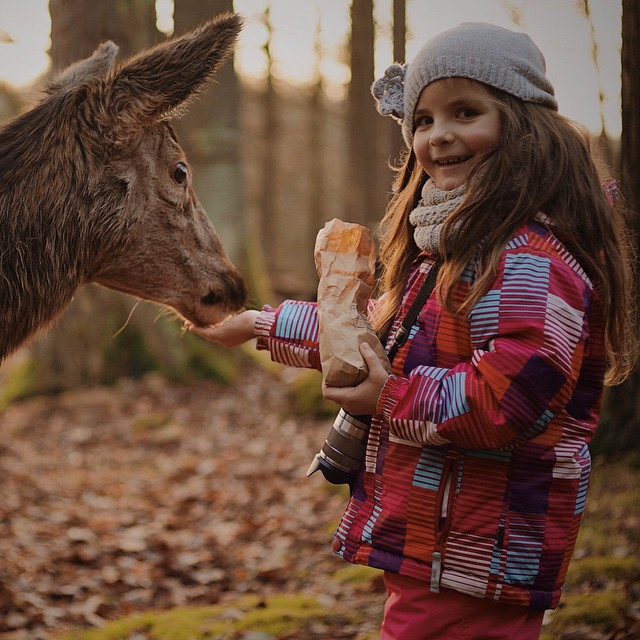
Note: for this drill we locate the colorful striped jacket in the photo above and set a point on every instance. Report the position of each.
(477, 462)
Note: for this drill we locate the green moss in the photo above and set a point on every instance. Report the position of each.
(209, 361)
(594, 570)
(130, 354)
(255, 271)
(306, 390)
(21, 382)
(602, 609)
(611, 506)
(281, 614)
(356, 573)
(341, 490)
(593, 538)
(151, 421)
(277, 616)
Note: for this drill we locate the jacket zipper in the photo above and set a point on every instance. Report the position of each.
(436, 569)
(443, 519)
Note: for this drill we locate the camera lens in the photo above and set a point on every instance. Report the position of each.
(346, 442)
(343, 451)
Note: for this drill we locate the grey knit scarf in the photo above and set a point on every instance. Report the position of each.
(432, 210)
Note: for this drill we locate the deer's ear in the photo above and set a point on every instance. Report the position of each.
(97, 65)
(160, 81)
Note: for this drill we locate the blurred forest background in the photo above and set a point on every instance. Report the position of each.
(273, 162)
(127, 475)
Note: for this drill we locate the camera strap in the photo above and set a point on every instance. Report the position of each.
(407, 322)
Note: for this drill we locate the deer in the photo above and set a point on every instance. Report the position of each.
(95, 189)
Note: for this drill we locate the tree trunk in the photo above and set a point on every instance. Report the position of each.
(621, 416)
(362, 192)
(318, 212)
(210, 135)
(79, 26)
(399, 55)
(269, 165)
(630, 140)
(389, 131)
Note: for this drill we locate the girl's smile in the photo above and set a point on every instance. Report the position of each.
(456, 121)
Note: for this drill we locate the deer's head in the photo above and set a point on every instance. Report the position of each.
(148, 234)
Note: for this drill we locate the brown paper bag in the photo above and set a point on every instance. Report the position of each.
(345, 257)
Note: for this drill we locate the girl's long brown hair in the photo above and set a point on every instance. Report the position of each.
(543, 163)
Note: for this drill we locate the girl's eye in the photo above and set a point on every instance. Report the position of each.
(180, 173)
(467, 113)
(423, 121)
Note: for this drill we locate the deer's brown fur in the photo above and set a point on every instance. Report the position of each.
(94, 187)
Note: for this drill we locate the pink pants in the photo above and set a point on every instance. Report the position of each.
(412, 612)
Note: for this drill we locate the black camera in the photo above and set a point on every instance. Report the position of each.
(343, 451)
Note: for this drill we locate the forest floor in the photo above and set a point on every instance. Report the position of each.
(121, 506)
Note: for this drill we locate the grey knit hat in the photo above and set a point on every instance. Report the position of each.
(487, 53)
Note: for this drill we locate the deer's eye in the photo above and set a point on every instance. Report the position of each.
(180, 173)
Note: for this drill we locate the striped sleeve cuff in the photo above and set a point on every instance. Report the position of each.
(405, 429)
(393, 388)
(264, 323)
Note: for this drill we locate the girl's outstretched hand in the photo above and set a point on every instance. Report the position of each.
(363, 399)
(231, 332)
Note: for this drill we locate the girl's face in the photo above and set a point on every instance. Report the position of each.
(456, 121)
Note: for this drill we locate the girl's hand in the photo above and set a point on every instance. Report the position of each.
(363, 399)
(231, 332)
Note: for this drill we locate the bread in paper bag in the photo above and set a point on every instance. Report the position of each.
(345, 257)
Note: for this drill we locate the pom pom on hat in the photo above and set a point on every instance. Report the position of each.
(389, 91)
(490, 54)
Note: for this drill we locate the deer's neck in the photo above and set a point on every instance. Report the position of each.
(41, 267)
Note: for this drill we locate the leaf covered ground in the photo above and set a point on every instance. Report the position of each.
(149, 497)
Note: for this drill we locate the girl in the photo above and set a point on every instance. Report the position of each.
(477, 461)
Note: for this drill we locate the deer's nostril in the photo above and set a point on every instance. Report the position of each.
(232, 295)
(209, 299)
